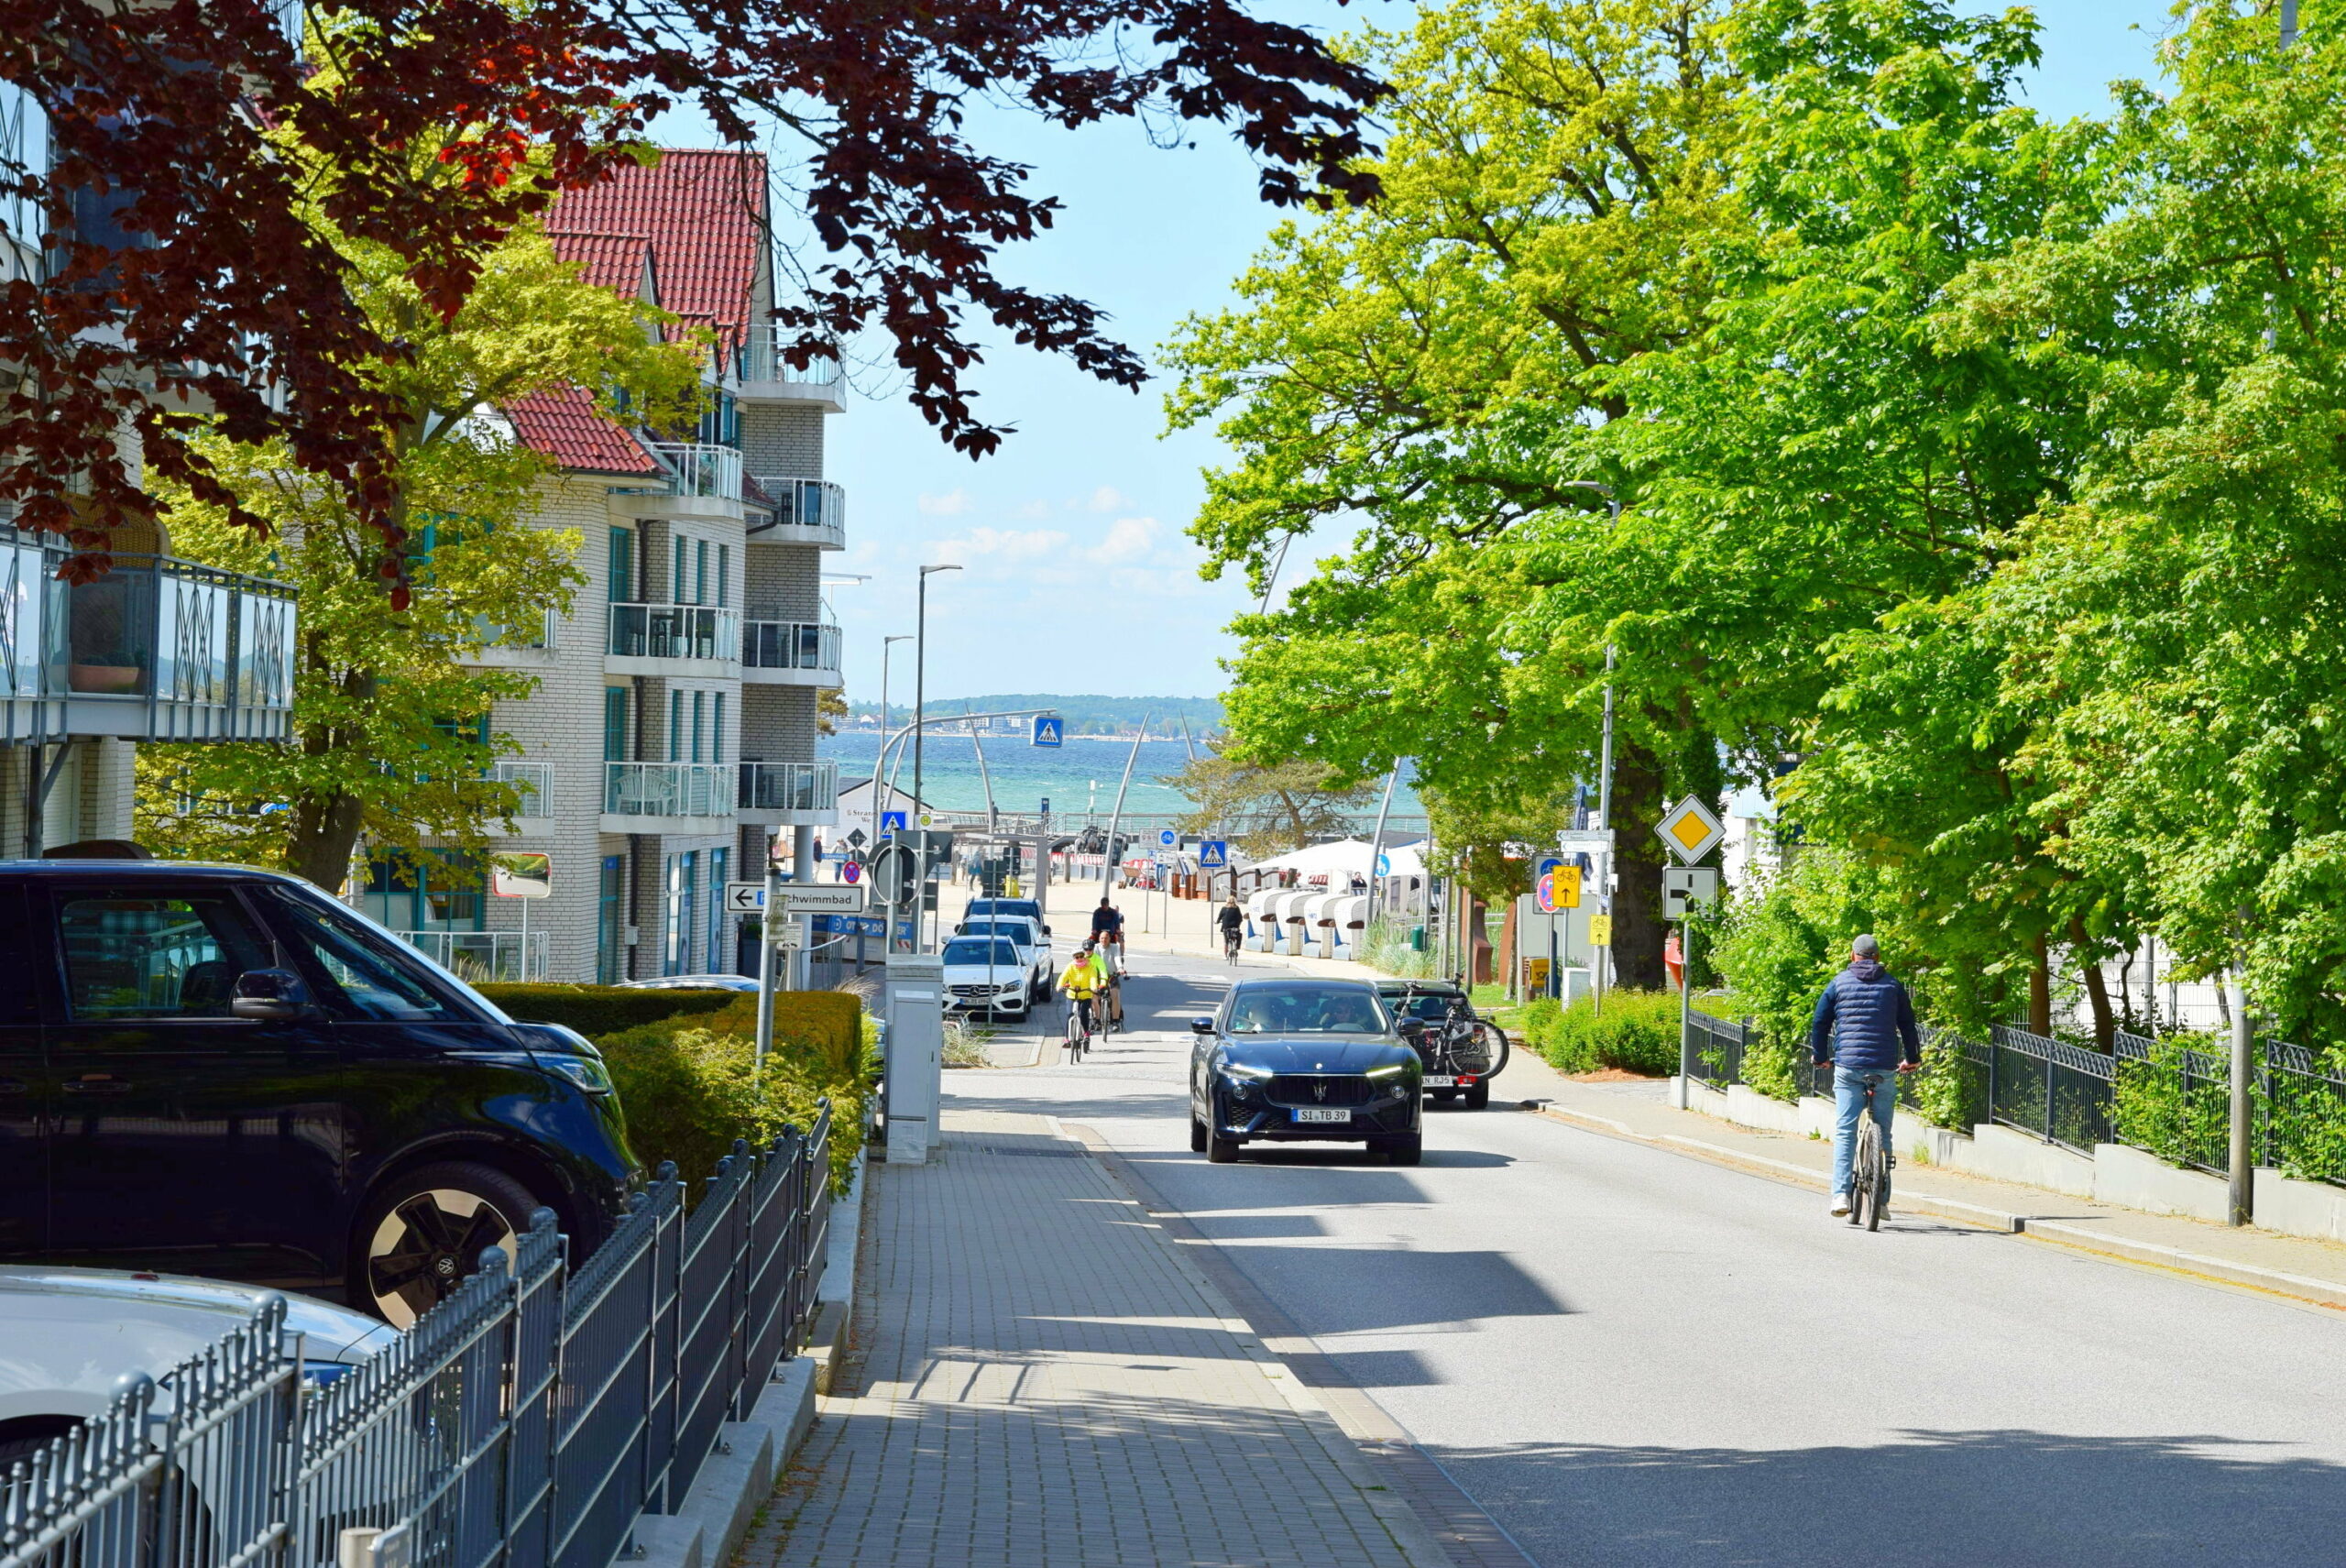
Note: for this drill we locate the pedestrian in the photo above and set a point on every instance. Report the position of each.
(1673, 958)
(1864, 1026)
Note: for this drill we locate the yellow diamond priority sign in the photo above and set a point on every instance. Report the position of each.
(1690, 830)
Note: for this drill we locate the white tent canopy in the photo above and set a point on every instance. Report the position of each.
(1346, 858)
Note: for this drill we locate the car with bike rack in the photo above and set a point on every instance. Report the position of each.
(1462, 1051)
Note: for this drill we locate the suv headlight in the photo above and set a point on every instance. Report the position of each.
(583, 1073)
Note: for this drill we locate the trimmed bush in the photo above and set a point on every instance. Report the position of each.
(825, 1028)
(688, 1092)
(595, 1010)
(1637, 1032)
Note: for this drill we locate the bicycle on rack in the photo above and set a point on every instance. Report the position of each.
(1462, 1053)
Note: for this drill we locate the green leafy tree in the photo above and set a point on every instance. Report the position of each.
(1269, 809)
(391, 737)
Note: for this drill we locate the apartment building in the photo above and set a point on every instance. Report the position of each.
(158, 649)
(669, 746)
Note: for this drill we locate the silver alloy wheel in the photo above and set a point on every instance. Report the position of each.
(427, 1246)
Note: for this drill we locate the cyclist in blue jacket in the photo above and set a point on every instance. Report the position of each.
(1865, 1027)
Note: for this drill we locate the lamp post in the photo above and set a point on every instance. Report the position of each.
(920, 697)
(1605, 763)
(887, 646)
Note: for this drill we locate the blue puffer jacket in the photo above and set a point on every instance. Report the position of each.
(1874, 1017)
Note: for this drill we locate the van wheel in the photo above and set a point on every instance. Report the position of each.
(421, 1236)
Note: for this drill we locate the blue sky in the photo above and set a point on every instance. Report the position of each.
(1078, 576)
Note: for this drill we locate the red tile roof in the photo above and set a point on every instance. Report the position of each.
(614, 261)
(704, 212)
(562, 426)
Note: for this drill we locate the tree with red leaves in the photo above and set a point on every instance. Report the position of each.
(163, 280)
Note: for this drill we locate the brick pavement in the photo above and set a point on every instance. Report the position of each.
(1047, 1381)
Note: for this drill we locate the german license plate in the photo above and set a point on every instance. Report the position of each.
(1440, 1081)
(1313, 1113)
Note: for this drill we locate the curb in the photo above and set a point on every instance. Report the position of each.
(2079, 1238)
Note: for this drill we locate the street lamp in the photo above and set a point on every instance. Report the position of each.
(920, 699)
(887, 646)
(1605, 761)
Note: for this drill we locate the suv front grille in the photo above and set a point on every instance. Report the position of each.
(1303, 1088)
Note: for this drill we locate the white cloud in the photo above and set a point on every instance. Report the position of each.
(1007, 545)
(1107, 498)
(952, 503)
(1130, 540)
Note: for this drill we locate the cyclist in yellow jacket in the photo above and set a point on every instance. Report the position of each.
(1080, 981)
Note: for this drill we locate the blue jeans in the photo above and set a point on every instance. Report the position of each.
(1849, 1104)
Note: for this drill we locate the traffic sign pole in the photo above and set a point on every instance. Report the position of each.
(765, 970)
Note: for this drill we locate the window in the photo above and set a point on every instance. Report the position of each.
(716, 727)
(610, 927)
(442, 892)
(675, 727)
(614, 724)
(676, 952)
(1302, 1008)
(368, 976)
(622, 565)
(724, 573)
(677, 572)
(156, 958)
(700, 571)
(700, 726)
(720, 928)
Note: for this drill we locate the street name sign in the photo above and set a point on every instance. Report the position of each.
(1214, 854)
(745, 898)
(1690, 830)
(820, 898)
(1586, 842)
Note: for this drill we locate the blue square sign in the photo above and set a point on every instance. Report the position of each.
(1050, 730)
(892, 822)
(1214, 854)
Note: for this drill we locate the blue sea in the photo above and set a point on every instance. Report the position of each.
(1080, 776)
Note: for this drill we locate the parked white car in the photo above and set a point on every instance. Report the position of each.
(1033, 944)
(68, 1334)
(986, 974)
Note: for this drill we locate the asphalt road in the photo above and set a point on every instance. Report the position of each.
(1632, 1357)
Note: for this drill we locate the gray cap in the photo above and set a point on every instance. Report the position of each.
(1866, 947)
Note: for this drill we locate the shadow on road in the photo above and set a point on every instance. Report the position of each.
(1961, 1499)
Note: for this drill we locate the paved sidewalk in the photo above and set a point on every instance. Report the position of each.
(1046, 1380)
(2314, 1270)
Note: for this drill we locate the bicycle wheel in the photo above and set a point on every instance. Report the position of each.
(1866, 1177)
(1074, 1038)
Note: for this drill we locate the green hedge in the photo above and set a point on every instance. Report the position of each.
(594, 1010)
(1636, 1032)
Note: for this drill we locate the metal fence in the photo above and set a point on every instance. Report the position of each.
(1719, 1050)
(524, 1422)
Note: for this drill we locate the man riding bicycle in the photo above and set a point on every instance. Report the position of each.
(1231, 920)
(1107, 923)
(1874, 1021)
(1108, 968)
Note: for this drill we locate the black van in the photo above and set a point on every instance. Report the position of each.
(218, 1070)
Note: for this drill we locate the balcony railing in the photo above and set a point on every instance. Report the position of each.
(536, 782)
(765, 364)
(676, 631)
(805, 511)
(695, 468)
(478, 956)
(668, 789)
(790, 787)
(789, 646)
(157, 649)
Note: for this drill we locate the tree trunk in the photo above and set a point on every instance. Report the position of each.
(1511, 960)
(2040, 988)
(2097, 991)
(325, 831)
(1638, 928)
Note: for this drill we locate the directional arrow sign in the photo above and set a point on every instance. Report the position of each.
(822, 898)
(745, 898)
(1214, 854)
(1690, 830)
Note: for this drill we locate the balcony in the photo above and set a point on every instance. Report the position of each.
(790, 653)
(765, 375)
(667, 797)
(535, 781)
(672, 640)
(805, 511)
(156, 650)
(478, 956)
(790, 795)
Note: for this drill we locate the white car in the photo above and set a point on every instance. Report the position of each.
(1031, 943)
(67, 1334)
(986, 974)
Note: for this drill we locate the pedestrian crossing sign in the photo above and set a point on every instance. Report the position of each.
(1050, 730)
(1214, 854)
(1690, 830)
(892, 822)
